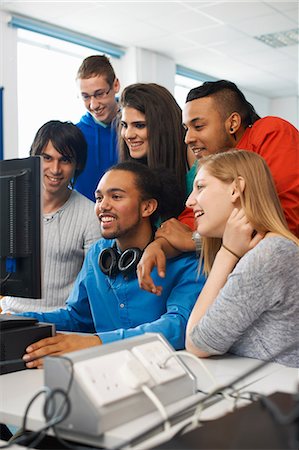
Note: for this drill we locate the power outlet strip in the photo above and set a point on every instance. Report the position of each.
(153, 356)
(119, 383)
(102, 379)
(121, 374)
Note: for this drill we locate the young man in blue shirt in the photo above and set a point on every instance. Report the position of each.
(129, 199)
(98, 86)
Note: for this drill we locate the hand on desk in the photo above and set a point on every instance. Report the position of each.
(57, 345)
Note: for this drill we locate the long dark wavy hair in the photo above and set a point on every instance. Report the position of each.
(166, 134)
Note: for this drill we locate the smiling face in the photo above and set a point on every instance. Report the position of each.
(206, 131)
(99, 97)
(212, 201)
(134, 132)
(119, 208)
(58, 171)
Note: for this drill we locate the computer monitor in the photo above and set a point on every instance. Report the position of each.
(20, 227)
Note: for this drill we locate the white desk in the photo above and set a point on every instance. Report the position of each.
(13, 446)
(271, 378)
(17, 389)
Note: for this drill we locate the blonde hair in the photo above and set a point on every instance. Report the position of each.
(259, 198)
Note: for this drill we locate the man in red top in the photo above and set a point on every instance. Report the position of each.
(277, 141)
(217, 117)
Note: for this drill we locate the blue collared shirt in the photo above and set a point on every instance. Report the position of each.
(116, 308)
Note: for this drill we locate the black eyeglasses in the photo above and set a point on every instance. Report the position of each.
(98, 95)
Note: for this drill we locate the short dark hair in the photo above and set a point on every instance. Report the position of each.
(166, 134)
(160, 184)
(66, 138)
(96, 65)
(229, 99)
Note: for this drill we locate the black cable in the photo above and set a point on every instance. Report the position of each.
(284, 419)
(56, 420)
(53, 416)
(46, 413)
(276, 413)
(213, 393)
(33, 438)
(4, 280)
(50, 412)
(279, 418)
(22, 439)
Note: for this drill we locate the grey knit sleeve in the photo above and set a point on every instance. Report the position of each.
(258, 307)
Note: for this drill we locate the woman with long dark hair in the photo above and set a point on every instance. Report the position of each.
(151, 132)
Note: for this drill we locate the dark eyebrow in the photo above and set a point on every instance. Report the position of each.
(193, 120)
(111, 190)
(94, 92)
(135, 122)
(61, 155)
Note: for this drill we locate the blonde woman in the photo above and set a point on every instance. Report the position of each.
(249, 305)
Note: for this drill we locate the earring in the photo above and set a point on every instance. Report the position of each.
(234, 134)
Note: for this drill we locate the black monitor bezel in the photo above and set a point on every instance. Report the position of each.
(26, 281)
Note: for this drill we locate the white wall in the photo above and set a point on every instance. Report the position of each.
(138, 65)
(285, 107)
(143, 66)
(288, 108)
(260, 103)
(8, 79)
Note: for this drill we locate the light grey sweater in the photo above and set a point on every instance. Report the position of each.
(68, 234)
(256, 313)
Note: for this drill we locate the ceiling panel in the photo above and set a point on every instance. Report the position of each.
(291, 51)
(264, 58)
(185, 21)
(145, 10)
(213, 37)
(48, 11)
(165, 45)
(282, 6)
(266, 24)
(293, 13)
(233, 12)
(124, 35)
(242, 47)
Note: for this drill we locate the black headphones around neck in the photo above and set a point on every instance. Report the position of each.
(111, 262)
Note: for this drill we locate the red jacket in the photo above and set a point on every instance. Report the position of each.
(277, 141)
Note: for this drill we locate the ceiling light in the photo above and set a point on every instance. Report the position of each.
(280, 39)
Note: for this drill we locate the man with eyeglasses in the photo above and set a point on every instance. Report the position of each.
(98, 86)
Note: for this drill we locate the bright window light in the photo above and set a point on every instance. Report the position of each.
(182, 86)
(47, 89)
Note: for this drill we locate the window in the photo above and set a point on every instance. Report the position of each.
(47, 89)
(185, 80)
(182, 87)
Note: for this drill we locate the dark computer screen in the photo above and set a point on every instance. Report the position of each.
(20, 227)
